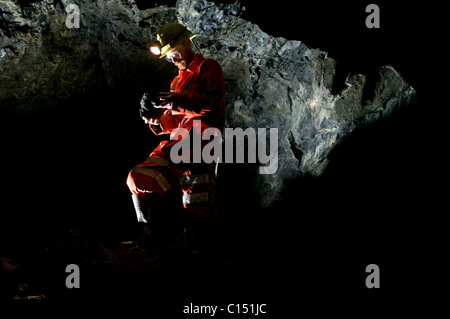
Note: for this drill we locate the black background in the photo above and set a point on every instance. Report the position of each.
(376, 203)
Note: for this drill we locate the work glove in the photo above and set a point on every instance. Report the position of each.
(172, 99)
(169, 97)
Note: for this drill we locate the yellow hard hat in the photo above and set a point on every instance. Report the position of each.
(170, 35)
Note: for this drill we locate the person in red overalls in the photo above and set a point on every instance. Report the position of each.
(158, 185)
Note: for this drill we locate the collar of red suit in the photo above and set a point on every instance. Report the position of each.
(196, 60)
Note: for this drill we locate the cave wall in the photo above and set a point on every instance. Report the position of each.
(271, 82)
(43, 62)
(284, 84)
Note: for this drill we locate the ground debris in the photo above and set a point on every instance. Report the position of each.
(7, 264)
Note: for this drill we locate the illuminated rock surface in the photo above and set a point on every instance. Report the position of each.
(71, 133)
(271, 82)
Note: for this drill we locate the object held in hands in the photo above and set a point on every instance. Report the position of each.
(151, 107)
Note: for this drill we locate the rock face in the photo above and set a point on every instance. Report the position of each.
(271, 82)
(43, 62)
(274, 82)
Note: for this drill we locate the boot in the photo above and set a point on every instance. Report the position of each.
(138, 202)
(147, 207)
(160, 217)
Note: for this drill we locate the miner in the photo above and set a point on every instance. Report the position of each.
(163, 192)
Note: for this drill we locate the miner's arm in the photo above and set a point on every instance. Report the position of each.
(206, 101)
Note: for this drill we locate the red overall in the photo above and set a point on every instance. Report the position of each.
(202, 87)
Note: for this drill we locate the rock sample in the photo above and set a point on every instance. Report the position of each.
(271, 82)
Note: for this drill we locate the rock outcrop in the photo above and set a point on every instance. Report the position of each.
(44, 62)
(284, 84)
(271, 82)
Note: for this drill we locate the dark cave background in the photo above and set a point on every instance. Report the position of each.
(65, 168)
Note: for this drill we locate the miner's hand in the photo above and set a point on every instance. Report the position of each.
(150, 121)
(169, 97)
(154, 116)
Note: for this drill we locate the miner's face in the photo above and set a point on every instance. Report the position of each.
(180, 55)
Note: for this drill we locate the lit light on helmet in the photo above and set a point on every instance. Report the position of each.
(155, 48)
